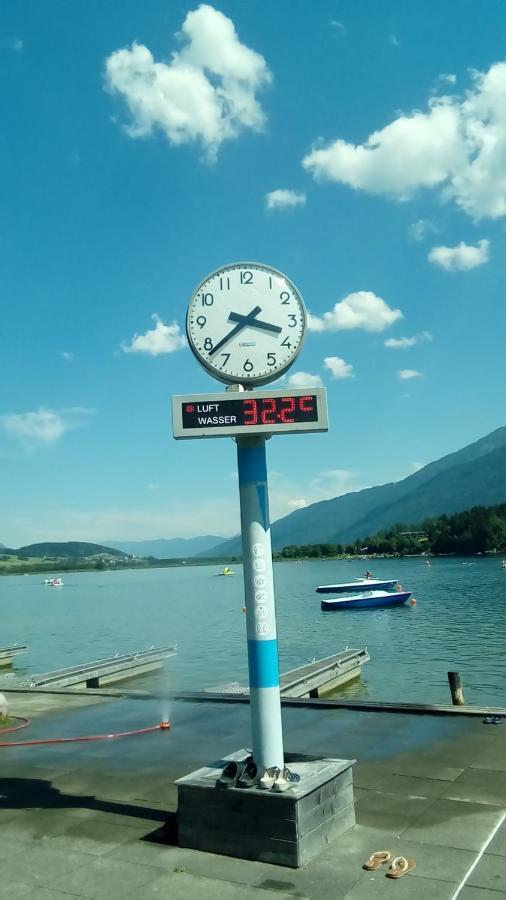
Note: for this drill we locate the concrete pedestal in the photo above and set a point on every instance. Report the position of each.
(287, 829)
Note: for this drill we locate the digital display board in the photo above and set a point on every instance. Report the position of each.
(249, 412)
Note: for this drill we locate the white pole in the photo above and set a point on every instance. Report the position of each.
(265, 702)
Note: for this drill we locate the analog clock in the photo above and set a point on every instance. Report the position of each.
(246, 323)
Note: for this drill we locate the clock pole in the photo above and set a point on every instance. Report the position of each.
(265, 701)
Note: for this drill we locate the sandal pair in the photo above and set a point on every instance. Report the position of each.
(399, 866)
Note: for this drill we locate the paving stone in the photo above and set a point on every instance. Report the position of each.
(380, 809)
(472, 893)
(181, 886)
(48, 894)
(407, 785)
(375, 886)
(91, 836)
(454, 823)
(498, 842)
(489, 873)
(480, 786)
(15, 889)
(432, 861)
(105, 879)
(41, 866)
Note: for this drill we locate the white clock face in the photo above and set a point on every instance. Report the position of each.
(246, 323)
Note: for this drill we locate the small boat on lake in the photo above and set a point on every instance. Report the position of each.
(54, 582)
(367, 600)
(358, 586)
(227, 571)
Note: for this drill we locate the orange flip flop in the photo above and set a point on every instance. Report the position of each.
(401, 865)
(377, 859)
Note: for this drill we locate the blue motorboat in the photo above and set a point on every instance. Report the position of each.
(367, 600)
(359, 585)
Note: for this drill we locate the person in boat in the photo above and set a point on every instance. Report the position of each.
(368, 575)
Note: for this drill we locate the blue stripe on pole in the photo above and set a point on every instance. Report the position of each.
(252, 463)
(263, 664)
(262, 503)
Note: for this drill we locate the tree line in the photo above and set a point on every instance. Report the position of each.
(481, 529)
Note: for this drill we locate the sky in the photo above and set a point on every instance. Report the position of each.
(358, 146)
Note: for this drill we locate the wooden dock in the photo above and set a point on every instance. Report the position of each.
(105, 671)
(7, 654)
(315, 679)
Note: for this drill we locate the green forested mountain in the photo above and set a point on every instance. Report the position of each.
(65, 550)
(474, 531)
(475, 475)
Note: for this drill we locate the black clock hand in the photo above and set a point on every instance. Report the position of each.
(256, 323)
(245, 320)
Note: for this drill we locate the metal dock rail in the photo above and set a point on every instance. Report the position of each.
(319, 677)
(8, 653)
(105, 671)
(323, 675)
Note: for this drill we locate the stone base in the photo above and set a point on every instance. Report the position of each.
(286, 829)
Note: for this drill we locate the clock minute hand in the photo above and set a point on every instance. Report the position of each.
(255, 323)
(245, 320)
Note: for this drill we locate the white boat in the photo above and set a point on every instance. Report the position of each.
(54, 582)
(361, 584)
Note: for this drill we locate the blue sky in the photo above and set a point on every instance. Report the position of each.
(359, 147)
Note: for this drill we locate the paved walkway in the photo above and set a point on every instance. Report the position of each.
(98, 820)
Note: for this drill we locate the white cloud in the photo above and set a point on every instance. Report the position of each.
(205, 93)
(407, 374)
(362, 309)
(161, 339)
(285, 496)
(68, 357)
(458, 146)
(17, 45)
(462, 257)
(297, 503)
(416, 466)
(404, 342)
(394, 40)
(153, 487)
(338, 367)
(45, 426)
(281, 199)
(339, 26)
(304, 380)
(418, 231)
(447, 78)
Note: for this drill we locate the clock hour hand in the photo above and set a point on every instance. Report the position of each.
(256, 323)
(245, 320)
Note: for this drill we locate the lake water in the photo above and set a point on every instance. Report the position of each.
(457, 624)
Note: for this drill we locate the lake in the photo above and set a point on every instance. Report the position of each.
(457, 624)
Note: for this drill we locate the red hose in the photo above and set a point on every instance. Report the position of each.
(162, 726)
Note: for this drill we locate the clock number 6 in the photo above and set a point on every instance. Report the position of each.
(248, 366)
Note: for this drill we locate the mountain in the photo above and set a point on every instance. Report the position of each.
(475, 475)
(66, 550)
(176, 548)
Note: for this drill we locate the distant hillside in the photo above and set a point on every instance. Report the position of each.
(175, 548)
(473, 476)
(66, 550)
